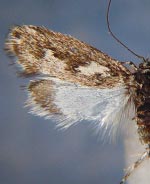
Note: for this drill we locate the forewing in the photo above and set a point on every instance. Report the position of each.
(40, 51)
(69, 104)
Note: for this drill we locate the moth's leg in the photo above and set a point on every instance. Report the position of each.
(130, 169)
(133, 66)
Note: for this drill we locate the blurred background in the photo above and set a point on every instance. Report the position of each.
(31, 149)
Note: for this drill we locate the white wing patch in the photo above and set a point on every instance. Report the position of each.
(94, 68)
(105, 108)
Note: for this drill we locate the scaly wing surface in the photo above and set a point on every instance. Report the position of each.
(69, 104)
(80, 83)
(40, 51)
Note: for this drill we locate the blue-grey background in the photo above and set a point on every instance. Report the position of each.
(31, 149)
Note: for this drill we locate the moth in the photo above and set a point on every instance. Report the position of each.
(73, 81)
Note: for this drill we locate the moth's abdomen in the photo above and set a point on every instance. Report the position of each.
(142, 102)
(143, 122)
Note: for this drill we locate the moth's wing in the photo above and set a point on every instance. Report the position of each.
(69, 104)
(103, 99)
(40, 51)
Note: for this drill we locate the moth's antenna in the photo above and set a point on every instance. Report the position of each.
(113, 35)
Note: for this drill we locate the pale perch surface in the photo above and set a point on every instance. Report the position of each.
(133, 150)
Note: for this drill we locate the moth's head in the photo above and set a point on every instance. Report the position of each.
(145, 64)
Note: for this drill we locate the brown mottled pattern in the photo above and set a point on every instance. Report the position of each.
(65, 55)
(42, 94)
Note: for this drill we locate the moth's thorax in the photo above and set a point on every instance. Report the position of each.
(142, 101)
